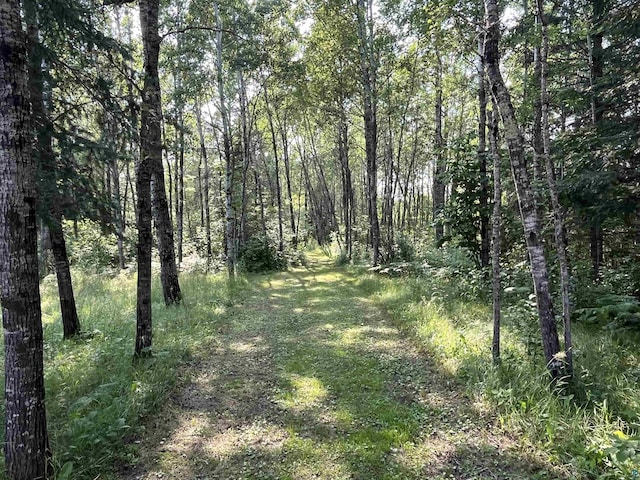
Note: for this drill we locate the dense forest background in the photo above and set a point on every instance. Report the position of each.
(420, 139)
(278, 120)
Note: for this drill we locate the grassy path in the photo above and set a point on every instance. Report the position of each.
(310, 380)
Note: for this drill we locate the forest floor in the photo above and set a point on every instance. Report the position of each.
(310, 379)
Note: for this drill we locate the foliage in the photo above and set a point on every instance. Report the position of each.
(93, 251)
(404, 250)
(612, 311)
(260, 254)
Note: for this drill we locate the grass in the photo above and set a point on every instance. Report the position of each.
(329, 372)
(312, 380)
(97, 398)
(590, 425)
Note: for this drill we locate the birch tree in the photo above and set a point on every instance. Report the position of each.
(526, 197)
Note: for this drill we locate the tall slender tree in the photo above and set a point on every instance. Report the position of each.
(368, 72)
(495, 232)
(26, 445)
(558, 211)
(440, 163)
(149, 147)
(596, 72)
(230, 219)
(482, 157)
(50, 198)
(526, 197)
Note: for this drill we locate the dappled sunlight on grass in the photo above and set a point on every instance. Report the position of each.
(291, 375)
(255, 343)
(305, 392)
(96, 395)
(573, 426)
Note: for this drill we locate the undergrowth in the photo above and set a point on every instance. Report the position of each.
(590, 424)
(97, 397)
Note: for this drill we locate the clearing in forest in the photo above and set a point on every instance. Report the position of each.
(310, 379)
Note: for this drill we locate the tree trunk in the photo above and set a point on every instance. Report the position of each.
(370, 101)
(537, 127)
(482, 159)
(246, 158)
(495, 233)
(389, 183)
(438, 175)
(119, 214)
(134, 198)
(558, 211)
(347, 187)
(596, 61)
(44, 253)
(180, 184)
(277, 172)
(198, 186)
(70, 321)
(149, 147)
(287, 174)
(226, 139)
(26, 445)
(151, 153)
(164, 231)
(326, 203)
(48, 184)
(407, 195)
(526, 199)
(205, 186)
(263, 221)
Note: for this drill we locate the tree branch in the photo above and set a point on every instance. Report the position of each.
(198, 27)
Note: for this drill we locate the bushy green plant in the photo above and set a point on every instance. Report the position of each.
(612, 311)
(404, 249)
(88, 248)
(360, 253)
(259, 254)
(342, 259)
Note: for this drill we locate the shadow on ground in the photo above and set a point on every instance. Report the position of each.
(313, 381)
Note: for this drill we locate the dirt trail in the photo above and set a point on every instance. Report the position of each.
(311, 381)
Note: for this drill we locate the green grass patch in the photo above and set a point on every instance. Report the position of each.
(312, 379)
(591, 425)
(97, 397)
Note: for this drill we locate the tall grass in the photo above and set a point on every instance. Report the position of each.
(590, 424)
(96, 395)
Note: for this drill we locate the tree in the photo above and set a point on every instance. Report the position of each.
(51, 201)
(558, 211)
(226, 142)
(150, 148)
(440, 165)
(482, 159)
(526, 197)
(495, 232)
(26, 445)
(368, 72)
(333, 83)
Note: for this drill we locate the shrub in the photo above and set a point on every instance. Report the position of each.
(404, 250)
(90, 249)
(259, 254)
